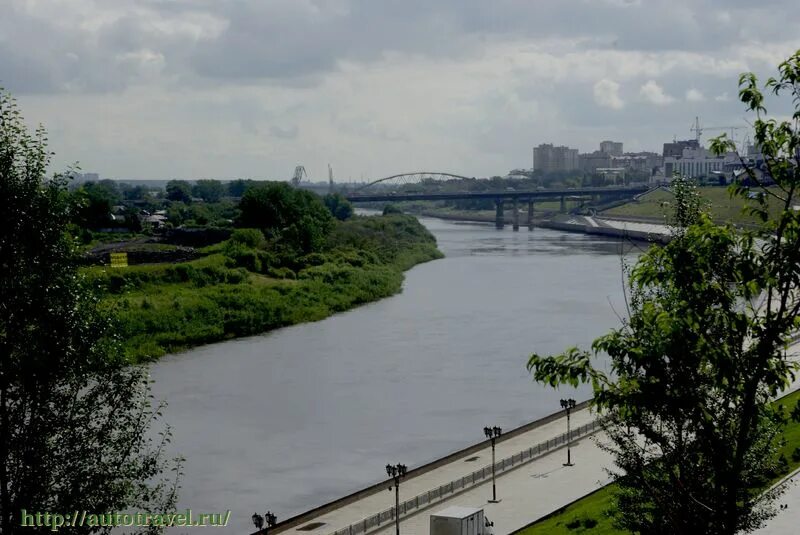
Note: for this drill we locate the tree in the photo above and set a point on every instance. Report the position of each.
(701, 352)
(392, 209)
(339, 206)
(236, 188)
(179, 191)
(93, 203)
(209, 190)
(75, 418)
(294, 219)
(134, 193)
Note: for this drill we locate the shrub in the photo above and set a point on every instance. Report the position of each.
(241, 256)
(281, 273)
(249, 237)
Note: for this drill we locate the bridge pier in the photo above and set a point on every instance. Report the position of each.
(530, 214)
(563, 204)
(498, 214)
(515, 219)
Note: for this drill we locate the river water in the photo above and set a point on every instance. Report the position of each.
(306, 414)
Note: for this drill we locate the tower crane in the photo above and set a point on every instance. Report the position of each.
(698, 130)
(299, 173)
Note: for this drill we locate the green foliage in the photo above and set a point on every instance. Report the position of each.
(236, 188)
(179, 191)
(390, 209)
(600, 504)
(92, 204)
(208, 190)
(701, 352)
(249, 237)
(219, 214)
(339, 207)
(245, 287)
(75, 418)
(294, 220)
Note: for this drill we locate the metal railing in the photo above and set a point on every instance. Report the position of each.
(477, 477)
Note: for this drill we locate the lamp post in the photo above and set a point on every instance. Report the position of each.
(568, 405)
(258, 521)
(396, 472)
(492, 433)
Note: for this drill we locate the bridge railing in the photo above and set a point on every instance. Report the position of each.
(421, 501)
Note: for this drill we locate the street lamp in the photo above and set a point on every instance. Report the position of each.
(568, 405)
(258, 521)
(492, 433)
(396, 472)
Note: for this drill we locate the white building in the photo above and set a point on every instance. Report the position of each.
(697, 163)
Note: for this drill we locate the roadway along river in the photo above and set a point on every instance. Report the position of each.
(298, 417)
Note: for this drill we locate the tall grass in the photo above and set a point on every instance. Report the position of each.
(240, 288)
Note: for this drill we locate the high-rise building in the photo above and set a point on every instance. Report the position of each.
(547, 158)
(593, 161)
(612, 148)
(675, 149)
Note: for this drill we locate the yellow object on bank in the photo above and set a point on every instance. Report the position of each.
(119, 260)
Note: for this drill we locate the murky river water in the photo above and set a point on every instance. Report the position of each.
(295, 418)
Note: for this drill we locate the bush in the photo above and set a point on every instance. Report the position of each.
(241, 256)
(249, 237)
(392, 209)
(281, 273)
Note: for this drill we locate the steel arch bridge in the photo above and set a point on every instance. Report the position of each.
(405, 180)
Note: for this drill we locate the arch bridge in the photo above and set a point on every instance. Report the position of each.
(426, 186)
(406, 181)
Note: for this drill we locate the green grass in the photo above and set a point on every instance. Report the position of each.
(237, 290)
(594, 506)
(724, 209)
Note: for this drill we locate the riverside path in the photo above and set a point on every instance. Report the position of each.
(528, 490)
(533, 488)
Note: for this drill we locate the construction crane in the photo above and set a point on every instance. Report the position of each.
(299, 173)
(698, 130)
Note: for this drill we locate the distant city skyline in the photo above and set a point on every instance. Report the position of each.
(146, 89)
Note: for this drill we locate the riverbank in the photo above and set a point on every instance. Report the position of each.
(591, 511)
(629, 228)
(234, 290)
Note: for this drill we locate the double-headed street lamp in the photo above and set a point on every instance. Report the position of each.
(396, 472)
(492, 433)
(258, 520)
(568, 405)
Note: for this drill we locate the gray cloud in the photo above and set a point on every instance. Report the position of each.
(374, 85)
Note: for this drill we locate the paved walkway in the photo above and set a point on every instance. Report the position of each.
(788, 519)
(527, 493)
(544, 467)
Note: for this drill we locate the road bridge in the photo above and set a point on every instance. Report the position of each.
(500, 197)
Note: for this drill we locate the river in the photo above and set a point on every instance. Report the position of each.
(292, 419)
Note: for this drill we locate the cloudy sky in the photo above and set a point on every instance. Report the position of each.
(251, 88)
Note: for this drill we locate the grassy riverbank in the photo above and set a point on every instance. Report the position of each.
(590, 514)
(656, 205)
(238, 289)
